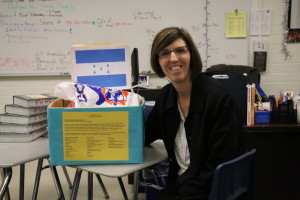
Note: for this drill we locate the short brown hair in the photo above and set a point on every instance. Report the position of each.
(164, 38)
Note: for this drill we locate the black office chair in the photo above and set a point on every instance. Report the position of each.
(234, 179)
(235, 83)
(252, 74)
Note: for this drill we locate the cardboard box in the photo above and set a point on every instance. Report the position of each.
(110, 135)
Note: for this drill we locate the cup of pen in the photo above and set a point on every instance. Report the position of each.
(283, 113)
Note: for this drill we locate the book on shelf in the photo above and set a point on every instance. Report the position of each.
(22, 119)
(253, 89)
(34, 100)
(19, 110)
(250, 104)
(22, 128)
(22, 137)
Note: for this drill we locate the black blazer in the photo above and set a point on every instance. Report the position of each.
(214, 135)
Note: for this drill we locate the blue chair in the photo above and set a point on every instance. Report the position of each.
(234, 178)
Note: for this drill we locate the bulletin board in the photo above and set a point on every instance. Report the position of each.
(36, 36)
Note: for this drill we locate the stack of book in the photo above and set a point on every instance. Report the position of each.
(26, 119)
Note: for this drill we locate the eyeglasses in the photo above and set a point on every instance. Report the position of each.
(179, 51)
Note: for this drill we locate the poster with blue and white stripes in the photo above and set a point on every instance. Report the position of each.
(105, 66)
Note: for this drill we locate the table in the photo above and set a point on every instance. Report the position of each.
(13, 154)
(277, 160)
(153, 154)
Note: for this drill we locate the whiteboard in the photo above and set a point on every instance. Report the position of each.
(36, 35)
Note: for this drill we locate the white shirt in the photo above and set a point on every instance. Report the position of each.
(181, 148)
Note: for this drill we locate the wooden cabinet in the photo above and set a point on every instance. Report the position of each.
(277, 161)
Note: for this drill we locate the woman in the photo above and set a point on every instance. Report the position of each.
(194, 116)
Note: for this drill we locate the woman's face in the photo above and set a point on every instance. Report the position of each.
(174, 61)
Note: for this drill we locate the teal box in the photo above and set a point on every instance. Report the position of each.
(262, 117)
(85, 136)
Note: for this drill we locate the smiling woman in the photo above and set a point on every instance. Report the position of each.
(194, 115)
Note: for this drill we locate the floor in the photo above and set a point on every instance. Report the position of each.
(47, 188)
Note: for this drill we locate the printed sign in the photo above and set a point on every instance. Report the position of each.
(92, 136)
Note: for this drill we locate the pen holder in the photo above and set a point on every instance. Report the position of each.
(284, 114)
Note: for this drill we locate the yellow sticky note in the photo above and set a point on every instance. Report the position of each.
(236, 24)
(94, 136)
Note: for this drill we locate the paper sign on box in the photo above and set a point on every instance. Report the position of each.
(111, 135)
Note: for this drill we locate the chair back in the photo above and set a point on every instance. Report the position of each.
(234, 178)
(252, 73)
(235, 83)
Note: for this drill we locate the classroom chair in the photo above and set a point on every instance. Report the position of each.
(235, 83)
(90, 185)
(57, 183)
(234, 178)
(252, 74)
(55, 177)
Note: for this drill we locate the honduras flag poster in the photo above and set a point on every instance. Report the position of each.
(103, 65)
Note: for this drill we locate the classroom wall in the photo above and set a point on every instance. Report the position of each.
(281, 74)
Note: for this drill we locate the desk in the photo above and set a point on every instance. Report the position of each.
(19, 154)
(277, 160)
(13, 154)
(153, 154)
